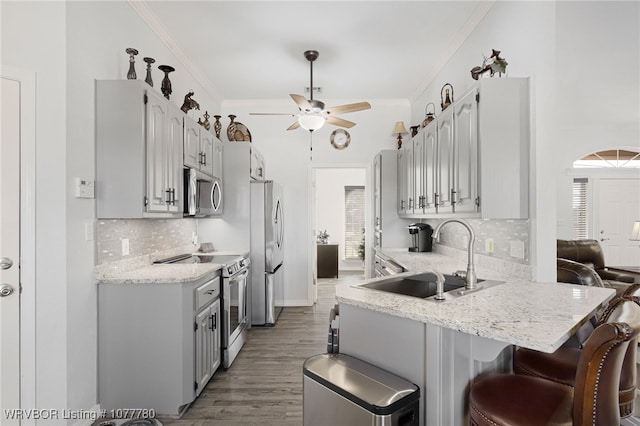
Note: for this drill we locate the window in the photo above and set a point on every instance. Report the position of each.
(354, 220)
(611, 158)
(580, 209)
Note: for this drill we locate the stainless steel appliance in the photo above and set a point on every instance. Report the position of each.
(267, 252)
(341, 390)
(203, 194)
(234, 293)
(421, 240)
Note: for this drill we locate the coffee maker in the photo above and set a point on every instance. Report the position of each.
(420, 237)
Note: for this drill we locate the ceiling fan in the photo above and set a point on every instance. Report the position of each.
(312, 114)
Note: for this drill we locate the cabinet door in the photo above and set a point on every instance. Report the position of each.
(156, 142)
(402, 182)
(216, 160)
(192, 157)
(419, 174)
(206, 147)
(409, 178)
(430, 166)
(377, 199)
(203, 349)
(465, 170)
(444, 183)
(216, 336)
(174, 159)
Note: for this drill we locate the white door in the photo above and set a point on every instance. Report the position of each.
(9, 248)
(618, 208)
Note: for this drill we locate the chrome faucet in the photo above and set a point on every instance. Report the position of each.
(439, 285)
(471, 278)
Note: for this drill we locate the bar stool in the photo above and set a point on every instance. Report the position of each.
(561, 366)
(516, 399)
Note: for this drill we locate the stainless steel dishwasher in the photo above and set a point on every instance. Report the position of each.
(343, 390)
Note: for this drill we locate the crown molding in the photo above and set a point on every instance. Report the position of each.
(476, 17)
(140, 7)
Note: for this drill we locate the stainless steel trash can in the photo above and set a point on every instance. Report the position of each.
(341, 390)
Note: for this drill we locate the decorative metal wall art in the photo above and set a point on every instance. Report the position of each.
(217, 126)
(445, 99)
(429, 116)
(493, 64)
(165, 87)
(189, 103)
(131, 75)
(148, 79)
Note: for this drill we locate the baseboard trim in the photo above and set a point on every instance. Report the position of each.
(296, 303)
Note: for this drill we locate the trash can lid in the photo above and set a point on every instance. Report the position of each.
(369, 386)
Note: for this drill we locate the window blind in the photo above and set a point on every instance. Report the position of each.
(580, 209)
(354, 220)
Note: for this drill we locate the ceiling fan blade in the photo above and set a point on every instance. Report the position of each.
(340, 122)
(272, 113)
(342, 109)
(301, 101)
(294, 126)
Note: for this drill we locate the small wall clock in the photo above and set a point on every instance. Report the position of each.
(340, 139)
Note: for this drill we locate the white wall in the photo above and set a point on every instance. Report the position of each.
(598, 87)
(330, 208)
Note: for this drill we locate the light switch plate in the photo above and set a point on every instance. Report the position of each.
(488, 245)
(125, 247)
(83, 188)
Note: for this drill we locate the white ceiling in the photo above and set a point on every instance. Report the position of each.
(368, 49)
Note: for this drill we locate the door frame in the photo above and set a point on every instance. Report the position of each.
(27, 81)
(312, 294)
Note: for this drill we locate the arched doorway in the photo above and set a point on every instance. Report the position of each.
(606, 202)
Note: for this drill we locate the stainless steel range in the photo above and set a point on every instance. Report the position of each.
(235, 319)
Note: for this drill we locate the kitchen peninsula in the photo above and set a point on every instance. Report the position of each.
(443, 346)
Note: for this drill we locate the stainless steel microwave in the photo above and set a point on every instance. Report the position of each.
(203, 194)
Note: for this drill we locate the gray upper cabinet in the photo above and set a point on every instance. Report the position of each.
(139, 138)
(202, 150)
(472, 161)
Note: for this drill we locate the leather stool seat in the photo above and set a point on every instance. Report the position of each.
(515, 399)
(561, 365)
(506, 399)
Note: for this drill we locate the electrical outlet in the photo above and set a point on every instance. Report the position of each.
(488, 245)
(125, 247)
(194, 238)
(517, 249)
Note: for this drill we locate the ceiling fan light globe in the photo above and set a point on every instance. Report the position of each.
(311, 122)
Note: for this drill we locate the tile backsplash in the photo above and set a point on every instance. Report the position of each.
(505, 233)
(146, 237)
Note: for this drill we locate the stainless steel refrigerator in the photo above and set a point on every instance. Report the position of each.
(267, 237)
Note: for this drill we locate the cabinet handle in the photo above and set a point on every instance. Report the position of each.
(204, 156)
(401, 204)
(168, 196)
(213, 324)
(454, 193)
(410, 203)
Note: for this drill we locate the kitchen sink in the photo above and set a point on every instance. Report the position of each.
(423, 285)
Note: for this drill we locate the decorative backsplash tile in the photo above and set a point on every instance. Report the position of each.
(146, 237)
(503, 232)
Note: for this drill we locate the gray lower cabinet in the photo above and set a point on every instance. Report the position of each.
(158, 343)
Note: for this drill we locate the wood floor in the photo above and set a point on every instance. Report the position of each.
(264, 384)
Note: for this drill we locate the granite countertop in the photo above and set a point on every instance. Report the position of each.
(155, 274)
(535, 315)
(142, 270)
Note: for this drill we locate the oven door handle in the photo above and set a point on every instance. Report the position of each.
(239, 277)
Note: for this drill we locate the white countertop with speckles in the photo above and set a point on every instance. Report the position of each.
(156, 274)
(535, 315)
